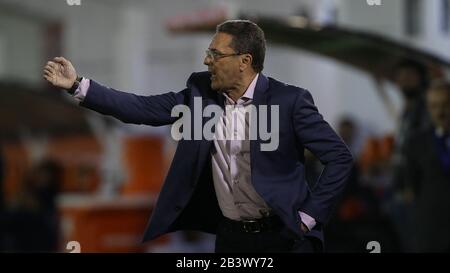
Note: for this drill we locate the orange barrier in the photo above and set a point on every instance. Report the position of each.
(79, 157)
(116, 224)
(144, 161)
(376, 150)
(104, 224)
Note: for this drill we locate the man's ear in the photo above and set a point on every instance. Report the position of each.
(246, 61)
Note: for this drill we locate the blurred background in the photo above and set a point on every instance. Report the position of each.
(69, 174)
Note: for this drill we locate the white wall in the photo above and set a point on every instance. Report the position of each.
(386, 19)
(432, 38)
(20, 47)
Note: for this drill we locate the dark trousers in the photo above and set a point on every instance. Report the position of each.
(230, 239)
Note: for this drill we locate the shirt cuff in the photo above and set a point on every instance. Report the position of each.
(307, 220)
(82, 89)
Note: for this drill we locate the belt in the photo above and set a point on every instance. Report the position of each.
(271, 223)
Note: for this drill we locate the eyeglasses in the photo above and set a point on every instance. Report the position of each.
(215, 55)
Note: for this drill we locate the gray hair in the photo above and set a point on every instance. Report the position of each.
(248, 38)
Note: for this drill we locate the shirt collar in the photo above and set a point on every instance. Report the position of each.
(251, 88)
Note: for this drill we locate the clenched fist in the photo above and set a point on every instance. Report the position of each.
(60, 72)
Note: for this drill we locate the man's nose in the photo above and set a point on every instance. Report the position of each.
(207, 61)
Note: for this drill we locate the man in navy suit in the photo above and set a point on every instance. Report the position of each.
(253, 199)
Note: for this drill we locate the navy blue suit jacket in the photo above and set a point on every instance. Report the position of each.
(187, 199)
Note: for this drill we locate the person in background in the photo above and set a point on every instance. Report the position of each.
(412, 79)
(31, 223)
(427, 168)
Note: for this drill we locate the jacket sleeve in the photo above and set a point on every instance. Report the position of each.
(131, 108)
(316, 135)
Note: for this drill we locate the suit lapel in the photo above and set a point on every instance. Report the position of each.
(259, 97)
(262, 85)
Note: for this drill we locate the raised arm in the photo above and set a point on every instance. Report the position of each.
(127, 107)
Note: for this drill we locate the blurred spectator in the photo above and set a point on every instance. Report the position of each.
(42, 184)
(352, 134)
(412, 79)
(31, 224)
(428, 170)
(359, 218)
(347, 130)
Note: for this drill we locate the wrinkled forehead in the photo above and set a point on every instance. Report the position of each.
(221, 42)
